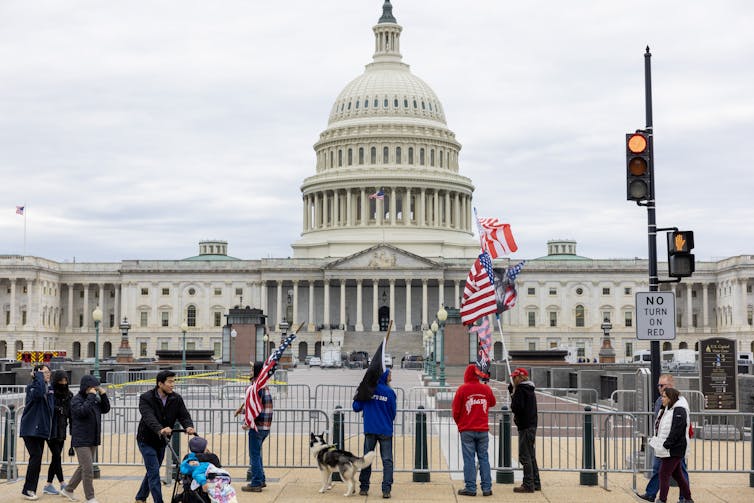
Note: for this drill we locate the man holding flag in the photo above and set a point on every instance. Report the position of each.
(377, 400)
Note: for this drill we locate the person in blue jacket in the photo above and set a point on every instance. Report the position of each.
(379, 413)
(36, 425)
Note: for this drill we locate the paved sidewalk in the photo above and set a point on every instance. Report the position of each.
(119, 484)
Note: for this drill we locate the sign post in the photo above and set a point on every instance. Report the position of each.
(655, 316)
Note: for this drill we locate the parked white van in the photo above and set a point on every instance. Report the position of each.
(680, 360)
(642, 357)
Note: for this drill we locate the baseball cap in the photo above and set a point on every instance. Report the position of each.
(520, 371)
(197, 444)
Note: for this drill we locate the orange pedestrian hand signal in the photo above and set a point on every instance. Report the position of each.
(680, 242)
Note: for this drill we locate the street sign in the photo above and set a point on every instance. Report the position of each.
(718, 373)
(655, 316)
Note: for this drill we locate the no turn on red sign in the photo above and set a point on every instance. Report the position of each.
(655, 316)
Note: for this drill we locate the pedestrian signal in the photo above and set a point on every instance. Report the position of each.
(681, 263)
(638, 179)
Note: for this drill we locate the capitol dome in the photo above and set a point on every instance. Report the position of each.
(387, 166)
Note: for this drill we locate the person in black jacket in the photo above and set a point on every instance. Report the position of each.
(36, 423)
(524, 408)
(87, 407)
(60, 420)
(160, 409)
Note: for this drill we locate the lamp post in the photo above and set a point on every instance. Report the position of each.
(606, 353)
(184, 329)
(125, 354)
(233, 335)
(264, 350)
(97, 317)
(427, 337)
(434, 327)
(442, 315)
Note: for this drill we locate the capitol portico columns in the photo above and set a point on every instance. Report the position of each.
(343, 304)
(392, 298)
(375, 291)
(69, 324)
(689, 307)
(424, 304)
(408, 326)
(326, 314)
(311, 323)
(12, 324)
(85, 325)
(279, 303)
(359, 308)
(294, 316)
(744, 304)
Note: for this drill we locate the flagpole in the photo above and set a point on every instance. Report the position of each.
(25, 211)
(502, 338)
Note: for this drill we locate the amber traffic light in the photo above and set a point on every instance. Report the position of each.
(638, 179)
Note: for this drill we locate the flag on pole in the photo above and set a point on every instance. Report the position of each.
(484, 334)
(380, 194)
(20, 210)
(496, 237)
(253, 403)
(376, 368)
(510, 295)
(479, 293)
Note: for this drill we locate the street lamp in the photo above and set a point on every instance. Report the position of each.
(265, 339)
(233, 335)
(606, 352)
(427, 338)
(434, 327)
(184, 329)
(125, 354)
(97, 317)
(442, 315)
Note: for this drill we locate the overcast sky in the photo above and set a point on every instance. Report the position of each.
(136, 129)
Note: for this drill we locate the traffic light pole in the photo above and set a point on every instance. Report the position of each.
(651, 218)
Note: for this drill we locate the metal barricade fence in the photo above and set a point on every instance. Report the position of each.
(566, 398)
(121, 377)
(329, 396)
(12, 394)
(287, 396)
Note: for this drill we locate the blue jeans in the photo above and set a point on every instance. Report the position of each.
(476, 443)
(256, 439)
(653, 486)
(386, 454)
(151, 483)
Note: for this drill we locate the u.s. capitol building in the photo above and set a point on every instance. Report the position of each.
(362, 260)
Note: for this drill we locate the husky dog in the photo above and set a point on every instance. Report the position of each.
(330, 460)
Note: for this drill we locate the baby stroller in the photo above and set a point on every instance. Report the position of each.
(190, 491)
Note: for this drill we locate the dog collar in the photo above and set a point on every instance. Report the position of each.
(332, 448)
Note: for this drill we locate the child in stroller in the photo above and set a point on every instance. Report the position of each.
(203, 479)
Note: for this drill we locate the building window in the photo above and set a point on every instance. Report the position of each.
(164, 345)
(385, 155)
(112, 294)
(693, 320)
(432, 157)
(627, 290)
(340, 158)
(532, 318)
(678, 321)
(191, 345)
(166, 291)
(143, 318)
(532, 346)
(350, 157)
(397, 155)
(373, 155)
(629, 349)
(410, 155)
(531, 291)
(218, 318)
(239, 291)
(553, 290)
(192, 291)
(81, 294)
(112, 320)
(165, 318)
(748, 288)
(81, 320)
(145, 291)
(750, 316)
(606, 316)
(7, 318)
(23, 317)
(142, 349)
(191, 316)
(553, 318)
(628, 319)
(580, 349)
(218, 291)
(421, 156)
(361, 155)
(606, 290)
(217, 349)
(579, 315)
(693, 294)
(579, 291)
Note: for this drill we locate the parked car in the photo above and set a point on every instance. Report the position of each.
(358, 360)
(412, 362)
(315, 361)
(388, 359)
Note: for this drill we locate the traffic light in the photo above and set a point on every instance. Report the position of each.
(680, 258)
(638, 183)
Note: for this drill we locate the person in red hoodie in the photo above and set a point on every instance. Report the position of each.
(471, 407)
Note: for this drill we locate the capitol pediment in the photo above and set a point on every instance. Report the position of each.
(382, 257)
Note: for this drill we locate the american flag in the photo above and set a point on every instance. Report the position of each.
(253, 402)
(20, 210)
(510, 295)
(380, 194)
(497, 238)
(484, 333)
(479, 293)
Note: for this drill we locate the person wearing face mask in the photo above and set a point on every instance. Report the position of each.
(36, 425)
(60, 420)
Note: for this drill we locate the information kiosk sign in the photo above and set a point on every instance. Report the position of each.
(717, 359)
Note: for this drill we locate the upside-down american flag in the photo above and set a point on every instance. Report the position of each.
(479, 293)
(253, 402)
(380, 194)
(484, 333)
(497, 238)
(510, 295)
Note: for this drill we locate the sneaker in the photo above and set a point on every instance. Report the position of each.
(251, 489)
(63, 485)
(523, 489)
(363, 493)
(487, 493)
(141, 501)
(68, 494)
(466, 492)
(92, 501)
(29, 495)
(50, 489)
(644, 497)
(386, 496)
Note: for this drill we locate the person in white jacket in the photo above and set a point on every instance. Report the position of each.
(671, 442)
